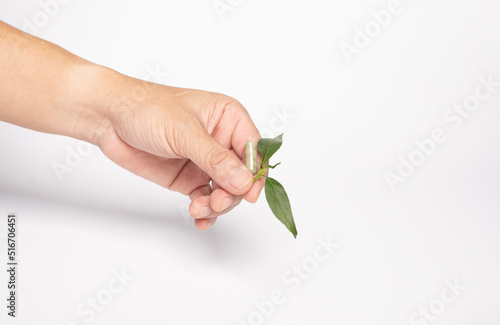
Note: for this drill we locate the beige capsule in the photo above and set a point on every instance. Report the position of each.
(251, 156)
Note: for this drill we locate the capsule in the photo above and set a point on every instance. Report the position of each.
(251, 156)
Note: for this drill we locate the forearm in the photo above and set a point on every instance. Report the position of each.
(45, 88)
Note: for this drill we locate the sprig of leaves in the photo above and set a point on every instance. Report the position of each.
(275, 192)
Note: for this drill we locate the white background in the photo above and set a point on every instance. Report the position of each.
(351, 123)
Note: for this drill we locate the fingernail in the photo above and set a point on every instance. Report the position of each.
(226, 203)
(204, 212)
(239, 178)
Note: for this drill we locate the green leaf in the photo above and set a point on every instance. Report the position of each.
(262, 171)
(273, 167)
(268, 147)
(280, 205)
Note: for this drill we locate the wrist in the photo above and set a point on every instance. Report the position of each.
(94, 92)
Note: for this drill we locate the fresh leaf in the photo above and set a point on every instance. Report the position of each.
(280, 205)
(268, 147)
(275, 193)
(272, 167)
(262, 171)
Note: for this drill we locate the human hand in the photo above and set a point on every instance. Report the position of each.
(186, 140)
(178, 138)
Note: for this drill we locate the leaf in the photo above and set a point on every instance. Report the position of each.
(273, 167)
(268, 147)
(262, 171)
(280, 205)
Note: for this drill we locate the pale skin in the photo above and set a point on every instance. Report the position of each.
(180, 139)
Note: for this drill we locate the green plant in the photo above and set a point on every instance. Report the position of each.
(275, 192)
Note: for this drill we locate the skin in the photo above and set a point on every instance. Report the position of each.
(186, 140)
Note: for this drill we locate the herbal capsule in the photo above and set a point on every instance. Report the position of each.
(251, 156)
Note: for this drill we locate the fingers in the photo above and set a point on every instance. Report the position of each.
(235, 136)
(220, 200)
(201, 208)
(235, 128)
(207, 205)
(220, 149)
(200, 202)
(204, 224)
(190, 177)
(207, 222)
(253, 194)
(223, 165)
(200, 191)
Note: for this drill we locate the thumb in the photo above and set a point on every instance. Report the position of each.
(223, 165)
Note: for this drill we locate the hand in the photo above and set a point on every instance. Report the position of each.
(189, 141)
(180, 139)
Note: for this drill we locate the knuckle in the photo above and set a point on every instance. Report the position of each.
(217, 157)
(229, 103)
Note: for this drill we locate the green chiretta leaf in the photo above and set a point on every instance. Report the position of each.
(273, 167)
(268, 147)
(262, 171)
(279, 204)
